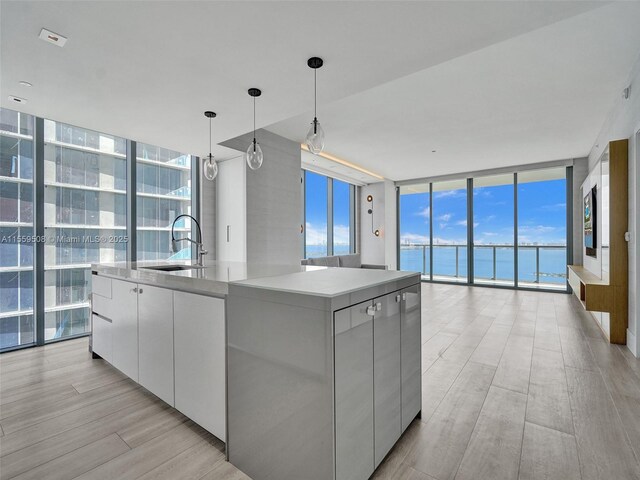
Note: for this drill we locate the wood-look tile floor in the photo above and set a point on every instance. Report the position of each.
(516, 385)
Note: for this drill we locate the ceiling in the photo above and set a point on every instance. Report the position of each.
(484, 83)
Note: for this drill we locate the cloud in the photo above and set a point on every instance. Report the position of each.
(490, 234)
(413, 238)
(445, 217)
(341, 235)
(554, 207)
(450, 193)
(537, 229)
(316, 235)
(463, 223)
(425, 212)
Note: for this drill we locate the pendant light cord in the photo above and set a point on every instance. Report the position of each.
(210, 138)
(315, 93)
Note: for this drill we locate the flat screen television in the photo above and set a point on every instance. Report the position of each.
(591, 223)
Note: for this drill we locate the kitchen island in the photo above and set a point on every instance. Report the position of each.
(304, 372)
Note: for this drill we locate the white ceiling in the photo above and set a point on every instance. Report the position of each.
(484, 83)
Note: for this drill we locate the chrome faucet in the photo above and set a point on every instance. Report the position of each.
(200, 251)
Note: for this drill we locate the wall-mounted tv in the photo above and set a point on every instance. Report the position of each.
(591, 223)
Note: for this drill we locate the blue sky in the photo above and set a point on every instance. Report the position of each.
(316, 210)
(541, 215)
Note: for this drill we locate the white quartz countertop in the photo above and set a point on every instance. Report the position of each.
(213, 278)
(328, 282)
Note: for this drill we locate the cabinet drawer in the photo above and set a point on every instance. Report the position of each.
(102, 306)
(101, 286)
(102, 340)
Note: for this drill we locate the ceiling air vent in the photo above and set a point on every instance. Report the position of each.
(53, 38)
(17, 99)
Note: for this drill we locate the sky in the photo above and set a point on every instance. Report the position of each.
(541, 215)
(316, 210)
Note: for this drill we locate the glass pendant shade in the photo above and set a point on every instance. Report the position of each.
(210, 167)
(254, 155)
(315, 137)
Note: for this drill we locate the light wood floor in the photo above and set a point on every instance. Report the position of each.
(516, 385)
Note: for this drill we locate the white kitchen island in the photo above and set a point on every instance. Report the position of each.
(304, 372)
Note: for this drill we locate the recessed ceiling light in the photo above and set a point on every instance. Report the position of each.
(52, 37)
(25, 83)
(17, 99)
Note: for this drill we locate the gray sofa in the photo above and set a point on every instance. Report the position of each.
(346, 261)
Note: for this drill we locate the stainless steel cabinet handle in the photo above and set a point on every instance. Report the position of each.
(140, 290)
(404, 296)
(371, 310)
(378, 306)
(397, 298)
(134, 290)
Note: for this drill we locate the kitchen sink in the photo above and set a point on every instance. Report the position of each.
(172, 268)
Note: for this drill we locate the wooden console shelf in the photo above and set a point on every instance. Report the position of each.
(611, 293)
(590, 289)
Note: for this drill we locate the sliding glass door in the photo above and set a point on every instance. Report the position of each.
(415, 228)
(493, 236)
(438, 220)
(542, 228)
(449, 210)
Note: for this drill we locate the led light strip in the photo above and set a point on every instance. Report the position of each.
(328, 156)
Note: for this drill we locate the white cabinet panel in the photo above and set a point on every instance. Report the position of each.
(386, 368)
(199, 333)
(101, 285)
(124, 327)
(410, 334)
(155, 330)
(231, 211)
(353, 349)
(101, 342)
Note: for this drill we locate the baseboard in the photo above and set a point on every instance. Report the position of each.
(632, 345)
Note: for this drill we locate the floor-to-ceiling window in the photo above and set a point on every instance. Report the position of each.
(329, 215)
(415, 225)
(342, 217)
(493, 236)
(163, 192)
(16, 227)
(449, 210)
(542, 228)
(438, 219)
(79, 184)
(85, 219)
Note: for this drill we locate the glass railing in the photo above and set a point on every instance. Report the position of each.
(538, 265)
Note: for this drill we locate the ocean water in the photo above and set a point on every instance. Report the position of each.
(552, 261)
(446, 262)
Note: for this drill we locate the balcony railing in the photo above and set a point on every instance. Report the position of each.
(538, 265)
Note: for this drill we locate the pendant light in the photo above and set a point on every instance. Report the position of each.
(210, 166)
(315, 136)
(254, 155)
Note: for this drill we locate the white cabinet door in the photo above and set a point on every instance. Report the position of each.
(155, 330)
(124, 327)
(353, 350)
(101, 342)
(200, 360)
(411, 354)
(231, 211)
(386, 379)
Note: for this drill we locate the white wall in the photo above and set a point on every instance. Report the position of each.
(273, 200)
(380, 250)
(624, 122)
